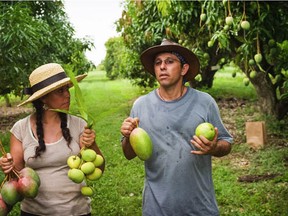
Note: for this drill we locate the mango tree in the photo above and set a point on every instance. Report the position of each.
(34, 33)
(112, 62)
(250, 35)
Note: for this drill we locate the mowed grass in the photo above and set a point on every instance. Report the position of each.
(119, 190)
(226, 86)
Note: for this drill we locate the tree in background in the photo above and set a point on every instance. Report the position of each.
(248, 34)
(34, 33)
(123, 62)
(112, 62)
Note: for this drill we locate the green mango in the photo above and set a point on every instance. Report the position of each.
(141, 143)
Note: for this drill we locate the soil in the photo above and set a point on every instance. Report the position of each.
(9, 115)
(256, 178)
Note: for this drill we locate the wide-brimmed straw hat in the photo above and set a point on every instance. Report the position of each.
(148, 56)
(46, 79)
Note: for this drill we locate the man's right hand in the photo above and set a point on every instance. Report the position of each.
(128, 125)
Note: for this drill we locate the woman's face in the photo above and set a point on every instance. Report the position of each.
(58, 99)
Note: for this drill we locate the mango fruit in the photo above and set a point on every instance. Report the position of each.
(258, 58)
(87, 191)
(27, 187)
(229, 20)
(88, 155)
(245, 25)
(99, 160)
(9, 192)
(4, 209)
(29, 172)
(205, 129)
(141, 143)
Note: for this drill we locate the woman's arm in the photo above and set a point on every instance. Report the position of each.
(17, 153)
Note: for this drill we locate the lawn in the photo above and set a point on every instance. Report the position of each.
(119, 190)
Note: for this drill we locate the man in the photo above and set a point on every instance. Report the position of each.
(178, 177)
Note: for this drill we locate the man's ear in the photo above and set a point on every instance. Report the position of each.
(185, 68)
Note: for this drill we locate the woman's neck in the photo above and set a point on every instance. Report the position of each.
(50, 117)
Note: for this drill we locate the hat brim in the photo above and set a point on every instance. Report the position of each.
(51, 88)
(148, 56)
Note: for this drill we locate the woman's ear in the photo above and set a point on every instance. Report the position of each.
(43, 99)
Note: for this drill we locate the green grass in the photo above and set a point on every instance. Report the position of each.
(226, 86)
(119, 190)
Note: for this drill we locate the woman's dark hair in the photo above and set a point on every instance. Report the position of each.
(38, 104)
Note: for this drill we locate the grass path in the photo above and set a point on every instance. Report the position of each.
(119, 191)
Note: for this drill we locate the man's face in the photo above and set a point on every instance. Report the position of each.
(168, 69)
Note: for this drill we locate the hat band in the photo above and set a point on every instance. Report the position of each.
(180, 57)
(45, 83)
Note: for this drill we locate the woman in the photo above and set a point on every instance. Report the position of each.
(45, 139)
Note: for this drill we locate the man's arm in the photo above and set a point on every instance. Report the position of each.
(127, 149)
(222, 148)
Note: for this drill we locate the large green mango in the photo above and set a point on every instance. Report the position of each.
(141, 143)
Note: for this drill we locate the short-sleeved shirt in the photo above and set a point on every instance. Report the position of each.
(178, 182)
(57, 194)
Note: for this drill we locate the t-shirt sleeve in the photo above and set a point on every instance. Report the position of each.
(18, 128)
(215, 118)
(76, 126)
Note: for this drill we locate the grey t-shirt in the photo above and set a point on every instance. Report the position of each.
(178, 182)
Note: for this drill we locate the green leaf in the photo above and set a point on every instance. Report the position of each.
(91, 121)
(70, 113)
(83, 112)
(78, 96)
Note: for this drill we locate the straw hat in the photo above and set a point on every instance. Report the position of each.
(148, 56)
(45, 79)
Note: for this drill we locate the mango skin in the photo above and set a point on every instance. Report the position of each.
(141, 143)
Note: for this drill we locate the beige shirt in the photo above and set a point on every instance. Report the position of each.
(57, 194)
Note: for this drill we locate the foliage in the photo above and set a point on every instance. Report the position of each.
(119, 191)
(34, 33)
(18, 46)
(112, 62)
(214, 31)
(122, 62)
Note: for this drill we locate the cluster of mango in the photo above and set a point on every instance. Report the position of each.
(85, 166)
(16, 186)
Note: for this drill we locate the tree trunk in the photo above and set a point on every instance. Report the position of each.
(268, 102)
(208, 72)
(7, 100)
(282, 109)
(208, 76)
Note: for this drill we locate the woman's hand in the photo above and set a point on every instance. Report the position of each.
(88, 137)
(6, 163)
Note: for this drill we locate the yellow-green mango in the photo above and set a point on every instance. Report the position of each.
(141, 143)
